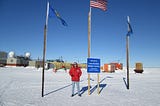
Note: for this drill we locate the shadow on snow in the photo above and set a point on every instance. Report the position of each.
(124, 79)
(84, 89)
(58, 89)
(101, 86)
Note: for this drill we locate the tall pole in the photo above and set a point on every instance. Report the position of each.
(44, 53)
(44, 47)
(127, 52)
(89, 45)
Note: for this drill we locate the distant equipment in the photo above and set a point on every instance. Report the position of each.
(11, 54)
(27, 54)
(139, 67)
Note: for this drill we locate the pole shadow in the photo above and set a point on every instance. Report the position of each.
(105, 78)
(57, 89)
(102, 86)
(84, 89)
(93, 89)
(124, 79)
(91, 79)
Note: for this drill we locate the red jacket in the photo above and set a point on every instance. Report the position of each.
(75, 73)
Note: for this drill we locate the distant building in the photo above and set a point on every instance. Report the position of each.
(3, 58)
(18, 61)
(3, 55)
(35, 63)
(14, 60)
(111, 67)
(10, 59)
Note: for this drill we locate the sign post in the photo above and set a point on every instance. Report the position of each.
(98, 83)
(93, 66)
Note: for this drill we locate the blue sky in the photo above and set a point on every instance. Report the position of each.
(22, 27)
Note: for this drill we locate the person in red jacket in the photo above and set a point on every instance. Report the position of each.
(75, 73)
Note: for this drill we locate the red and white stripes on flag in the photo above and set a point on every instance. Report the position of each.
(101, 4)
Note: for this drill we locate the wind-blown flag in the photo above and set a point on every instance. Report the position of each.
(101, 4)
(129, 27)
(53, 13)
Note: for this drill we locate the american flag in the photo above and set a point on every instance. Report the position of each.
(101, 4)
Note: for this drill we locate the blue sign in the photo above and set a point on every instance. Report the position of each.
(93, 65)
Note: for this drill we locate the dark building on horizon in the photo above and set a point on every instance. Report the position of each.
(3, 58)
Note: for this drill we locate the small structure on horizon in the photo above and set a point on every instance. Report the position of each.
(139, 68)
(111, 67)
(3, 58)
(14, 60)
(35, 63)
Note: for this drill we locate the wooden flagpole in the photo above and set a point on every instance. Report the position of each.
(98, 84)
(89, 44)
(44, 48)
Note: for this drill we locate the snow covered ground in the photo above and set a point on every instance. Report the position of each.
(21, 86)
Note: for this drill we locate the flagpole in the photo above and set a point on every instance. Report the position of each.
(89, 33)
(127, 52)
(89, 45)
(44, 47)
